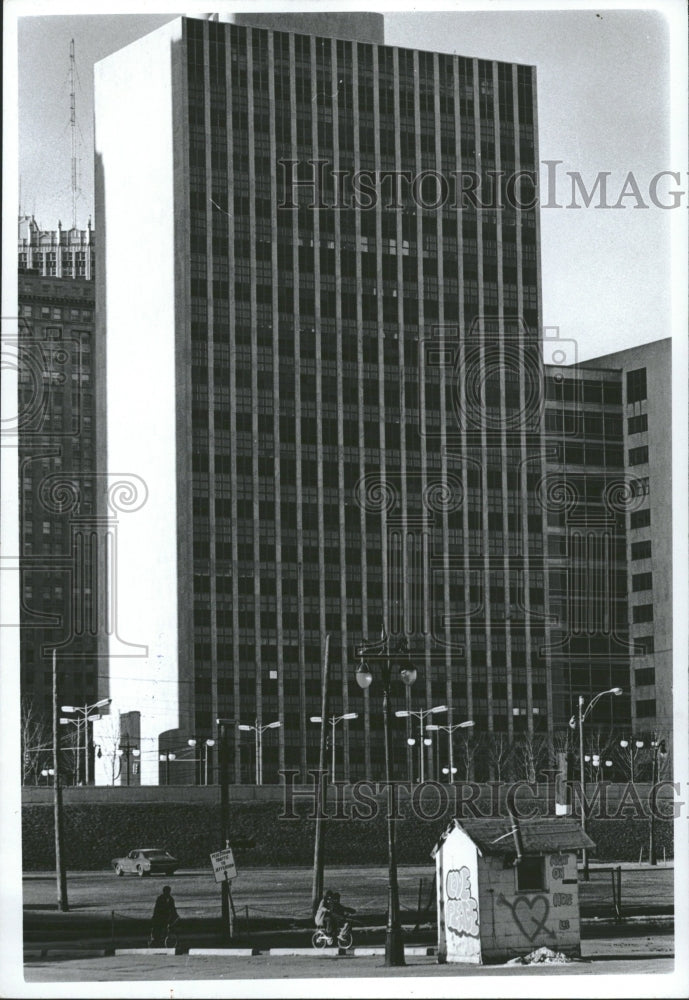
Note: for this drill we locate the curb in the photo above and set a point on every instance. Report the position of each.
(145, 951)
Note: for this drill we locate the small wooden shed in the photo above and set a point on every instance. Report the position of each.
(506, 887)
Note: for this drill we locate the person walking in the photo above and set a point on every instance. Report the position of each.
(164, 913)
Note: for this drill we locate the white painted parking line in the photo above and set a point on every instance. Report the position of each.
(309, 952)
(226, 952)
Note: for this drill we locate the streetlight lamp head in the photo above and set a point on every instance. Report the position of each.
(411, 741)
(172, 756)
(432, 727)
(210, 743)
(615, 691)
(428, 741)
(363, 676)
(351, 715)
(467, 724)
(572, 723)
(624, 744)
(67, 708)
(191, 742)
(639, 744)
(438, 708)
(273, 725)
(244, 728)
(315, 718)
(136, 752)
(402, 713)
(65, 722)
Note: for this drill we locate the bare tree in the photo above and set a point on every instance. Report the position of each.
(36, 743)
(530, 755)
(499, 751)
(468, 748)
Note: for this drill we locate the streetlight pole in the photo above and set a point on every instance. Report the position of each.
(451, 771)
(384, 654)
(85, 718)
(259, 731)
(207, 744)
(62, 902)
(128, 751)
(658, 747)
(580, 718)
(333, 720)
(167, 757)
(420, 714)
(224, 814)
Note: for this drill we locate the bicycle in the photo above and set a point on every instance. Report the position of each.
(321, 939)
(170, 938)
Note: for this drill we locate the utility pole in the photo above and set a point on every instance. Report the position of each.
(224, 819)
(61, 876)
(322, 789)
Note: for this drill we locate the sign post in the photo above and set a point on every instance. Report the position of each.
(225, 870)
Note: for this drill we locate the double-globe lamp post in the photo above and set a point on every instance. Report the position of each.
(391, 657)
(579, 720)
(202, 761)
(420, 714)
(259, 731)
(333, 720)
(450, 770)
(86, 717)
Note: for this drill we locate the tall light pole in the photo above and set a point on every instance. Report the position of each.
(60, 871)
(579, 719)
(658, 747)
(207, 747)
(223, 726)
(450, 770)
(392, 659)
(420, 714)
(333, 720)
(633, 745)
(85, 718)
(259, 731)
(127, 751)
(167, 757)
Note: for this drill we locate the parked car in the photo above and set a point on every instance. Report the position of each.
(146, 861)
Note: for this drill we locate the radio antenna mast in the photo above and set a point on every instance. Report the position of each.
(73, 128)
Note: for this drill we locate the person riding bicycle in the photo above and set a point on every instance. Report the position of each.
(335, 914)
(164, 913)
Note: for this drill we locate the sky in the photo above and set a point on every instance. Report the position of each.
(603, 105)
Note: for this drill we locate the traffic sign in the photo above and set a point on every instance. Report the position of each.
(223, 865)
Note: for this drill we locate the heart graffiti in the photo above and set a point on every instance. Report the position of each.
(530, 914)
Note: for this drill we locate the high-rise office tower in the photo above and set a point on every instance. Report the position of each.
(318, 281)
(56, 474)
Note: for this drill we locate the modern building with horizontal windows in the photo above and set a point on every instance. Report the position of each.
(645, 382)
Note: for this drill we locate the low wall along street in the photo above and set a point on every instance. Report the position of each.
(101, 823)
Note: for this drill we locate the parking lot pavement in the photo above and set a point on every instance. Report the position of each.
(181, 968)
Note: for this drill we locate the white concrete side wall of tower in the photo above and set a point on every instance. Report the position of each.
(134, 206)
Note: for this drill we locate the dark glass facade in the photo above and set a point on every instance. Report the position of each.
(366, 386)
